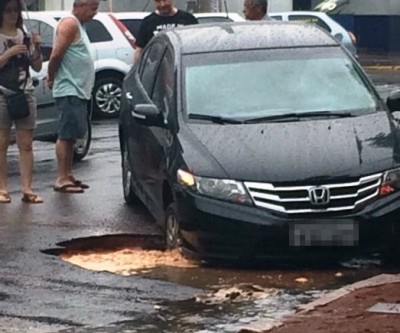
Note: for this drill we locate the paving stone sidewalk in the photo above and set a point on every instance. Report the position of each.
(347, 310)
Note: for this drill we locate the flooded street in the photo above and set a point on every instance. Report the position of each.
(90, 263)
(232, 298)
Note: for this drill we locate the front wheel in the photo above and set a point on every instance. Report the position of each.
(82, 146)
(129, 195)
(172, 227)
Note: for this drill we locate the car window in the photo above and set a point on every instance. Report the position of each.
(97, 32)
(309, 19)
(46, 32)
(149, 65)
(276, 17)
(263, 83)
(213, 19)
(164, 85)
(133, 25)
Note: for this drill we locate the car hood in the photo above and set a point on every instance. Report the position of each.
(311, 150)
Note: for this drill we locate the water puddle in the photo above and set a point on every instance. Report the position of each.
(129, 261)
(233, 299)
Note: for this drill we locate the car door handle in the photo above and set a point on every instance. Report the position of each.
(129, 96)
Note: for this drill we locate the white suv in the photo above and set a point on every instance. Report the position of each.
(132, 20)
(113, 47)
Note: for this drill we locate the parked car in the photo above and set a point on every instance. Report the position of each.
(324, 21)
(132, 20)
(260, 139)
(113, 47)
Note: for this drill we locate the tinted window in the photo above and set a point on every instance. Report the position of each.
(46, 31)
(213, 19)
(149, 66)
(97, 32)
(133, 25)
(310, 20)
(276, 17)
(165, 85)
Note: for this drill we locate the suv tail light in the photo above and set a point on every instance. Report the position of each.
(124, 31)
(353, 38)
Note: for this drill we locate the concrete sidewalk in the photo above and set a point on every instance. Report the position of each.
(380, 61)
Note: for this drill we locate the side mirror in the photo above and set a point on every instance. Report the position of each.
(393, 101)
(339, 37)
(147, 114)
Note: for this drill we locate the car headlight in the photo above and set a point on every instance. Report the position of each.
(391, 182)
(223, 189)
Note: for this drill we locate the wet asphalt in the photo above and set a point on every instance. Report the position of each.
(41, 293)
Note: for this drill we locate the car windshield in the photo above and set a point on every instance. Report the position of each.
(261, 83)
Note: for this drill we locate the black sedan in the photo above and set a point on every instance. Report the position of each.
(257, 140)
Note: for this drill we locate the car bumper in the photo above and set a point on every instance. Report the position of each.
(213, 229)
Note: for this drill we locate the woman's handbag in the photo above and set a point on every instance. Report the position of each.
(17, 105)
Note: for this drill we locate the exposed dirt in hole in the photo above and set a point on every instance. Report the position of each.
(128, 261)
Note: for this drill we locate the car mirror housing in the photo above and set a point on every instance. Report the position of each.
(393, 101)
(148, 114)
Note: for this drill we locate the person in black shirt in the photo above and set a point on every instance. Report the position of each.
(166, 16)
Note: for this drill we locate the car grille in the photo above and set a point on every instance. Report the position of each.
(330, 197)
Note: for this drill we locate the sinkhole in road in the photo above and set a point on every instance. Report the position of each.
(120, 254)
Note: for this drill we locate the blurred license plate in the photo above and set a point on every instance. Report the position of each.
(324, 233)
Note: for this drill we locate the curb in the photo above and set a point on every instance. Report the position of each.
(388, 68)
(378, 280)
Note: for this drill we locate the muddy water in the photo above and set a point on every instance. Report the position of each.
(233, 298)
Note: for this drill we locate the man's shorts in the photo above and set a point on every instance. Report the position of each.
(72, 122)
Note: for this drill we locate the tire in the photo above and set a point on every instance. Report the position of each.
(106, 97)
(173, 238)
(82, 146)
(129, 195)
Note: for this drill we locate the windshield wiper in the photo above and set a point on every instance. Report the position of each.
(215, 119)
(297, 116)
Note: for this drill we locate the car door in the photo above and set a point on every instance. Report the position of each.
(47, 115)
(139, 137)
(160, 140)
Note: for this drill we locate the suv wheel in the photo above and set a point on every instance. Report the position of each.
(82, 146)
(172, 227)
(129, 196)
(107, 93)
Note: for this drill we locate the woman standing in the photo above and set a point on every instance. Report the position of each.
(18, 51)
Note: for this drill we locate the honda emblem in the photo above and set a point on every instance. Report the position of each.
(319, 195)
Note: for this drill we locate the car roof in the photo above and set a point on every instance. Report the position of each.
(246, 35)
(57, 13)
(131, 15)
(300, 12)
(233, 16)
(141, 15)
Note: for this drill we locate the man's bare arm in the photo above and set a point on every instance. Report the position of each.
(67, 33)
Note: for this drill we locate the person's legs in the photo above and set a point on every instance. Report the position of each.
(4, 143)
(70, 128)
(64, 153)
(24, 142)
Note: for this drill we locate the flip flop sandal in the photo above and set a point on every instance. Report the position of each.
(5, 198)
(68, 188)
(80, 184)
(31, 198)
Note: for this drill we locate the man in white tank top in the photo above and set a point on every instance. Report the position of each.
(71, 77)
